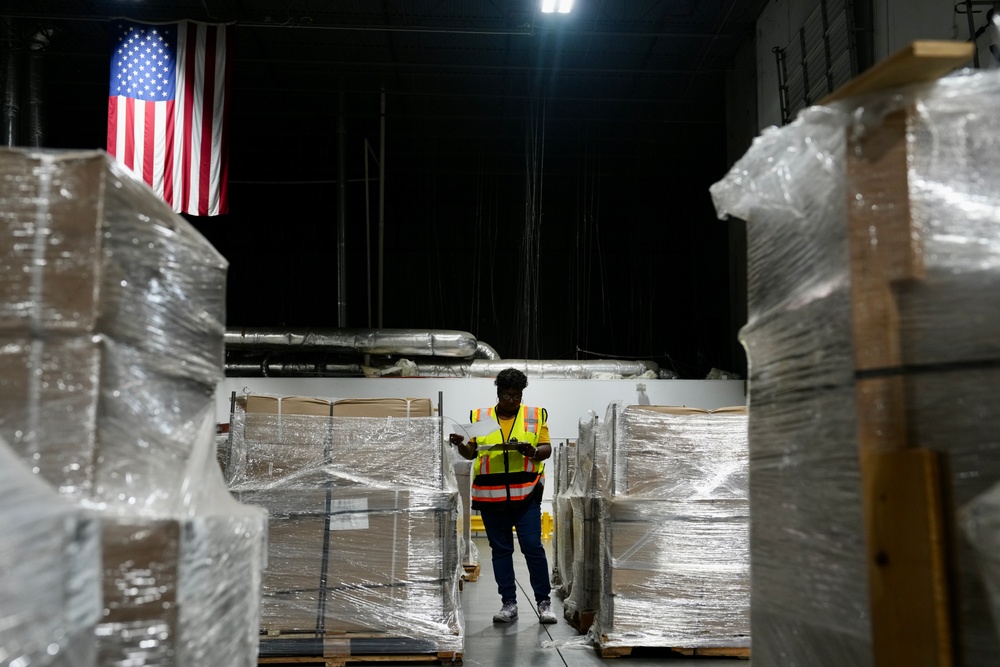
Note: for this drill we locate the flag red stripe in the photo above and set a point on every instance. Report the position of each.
(168, 157)
(149, 142)
(207, 121)
(224, 139)
(130, 133)
(113, 126)
(188, 111)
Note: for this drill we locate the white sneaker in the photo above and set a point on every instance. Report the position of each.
(506, 614)
(545, 613)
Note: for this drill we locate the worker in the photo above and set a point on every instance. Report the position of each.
(507, 485)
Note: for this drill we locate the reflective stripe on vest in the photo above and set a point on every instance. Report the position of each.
(501, 475)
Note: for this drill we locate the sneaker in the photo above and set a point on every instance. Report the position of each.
(506, 614)
(545, 613)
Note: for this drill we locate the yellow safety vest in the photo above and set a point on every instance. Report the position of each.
(500, 475)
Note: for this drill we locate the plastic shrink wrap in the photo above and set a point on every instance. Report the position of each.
(578, 514)
(563, 467)
(980, 521)
(49, 572)
(810, 581)
(674, 544)
(112, 313)
(364, 543)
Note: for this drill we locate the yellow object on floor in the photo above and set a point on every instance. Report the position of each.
(476, 524)
(546, 525)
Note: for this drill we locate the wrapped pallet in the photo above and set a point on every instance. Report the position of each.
(50, 602)
(112, 312)
(816, 195)
(364, 554)
(980, 521)
(674, 531)
(564, 465)
(578, 512)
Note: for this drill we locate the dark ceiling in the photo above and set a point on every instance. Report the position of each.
(546, 176)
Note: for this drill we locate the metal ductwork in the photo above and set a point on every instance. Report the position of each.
(265, 367)
(409, 342)
(585, 369)
(440, 353)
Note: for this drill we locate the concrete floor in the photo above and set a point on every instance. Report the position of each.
(527, 643)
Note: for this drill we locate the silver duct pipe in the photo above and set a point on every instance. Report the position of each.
(268, 368)
(484, 351)
(409, 342)
(582, 370)
(457, 354)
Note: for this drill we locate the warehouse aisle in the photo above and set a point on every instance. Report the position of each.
(520, 644)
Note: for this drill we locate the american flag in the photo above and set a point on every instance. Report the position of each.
(167, 108)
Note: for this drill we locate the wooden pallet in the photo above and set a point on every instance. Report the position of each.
(742, 653)
(471, 572)
(344, 648)
(580, 620)
(360, 659)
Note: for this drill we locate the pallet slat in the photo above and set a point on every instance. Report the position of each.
(706, 651)
(339, 649)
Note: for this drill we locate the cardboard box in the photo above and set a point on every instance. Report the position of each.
(49, 397)
(672, 452)
(285, 419)
(50, 595)
(81, 411)
(383, 407)
(688, 561)
(85, 248)
(180, 592)
(61, 292)
(351, 560)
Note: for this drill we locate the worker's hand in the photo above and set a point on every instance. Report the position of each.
(526, 450)
(456, 439)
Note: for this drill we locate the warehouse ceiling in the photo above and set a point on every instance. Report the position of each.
(544, 173)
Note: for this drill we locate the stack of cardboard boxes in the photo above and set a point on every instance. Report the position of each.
(815, 195)
(578, 526)
(658, 515)
(674, 529)
(50, 557)
(112, 314)
(363, 536)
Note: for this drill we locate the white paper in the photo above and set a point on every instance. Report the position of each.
(349, 514)
(478, 430)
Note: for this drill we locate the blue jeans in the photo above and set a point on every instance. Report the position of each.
(500, 524)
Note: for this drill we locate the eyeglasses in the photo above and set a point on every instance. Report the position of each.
(510, 397)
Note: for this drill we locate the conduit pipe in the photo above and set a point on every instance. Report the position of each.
(558, 368)
(405, 342)
(454, 353)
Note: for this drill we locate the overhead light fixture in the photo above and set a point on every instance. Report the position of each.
(561, 6)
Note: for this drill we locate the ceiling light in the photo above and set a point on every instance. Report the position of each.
(561, 6)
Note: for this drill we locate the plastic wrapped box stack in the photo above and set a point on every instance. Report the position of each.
(674, 529)
(50, 602)
(980, 521)
(810, 580)
(364, 554)
(564, 465)
(578, 511)
(112, 313)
